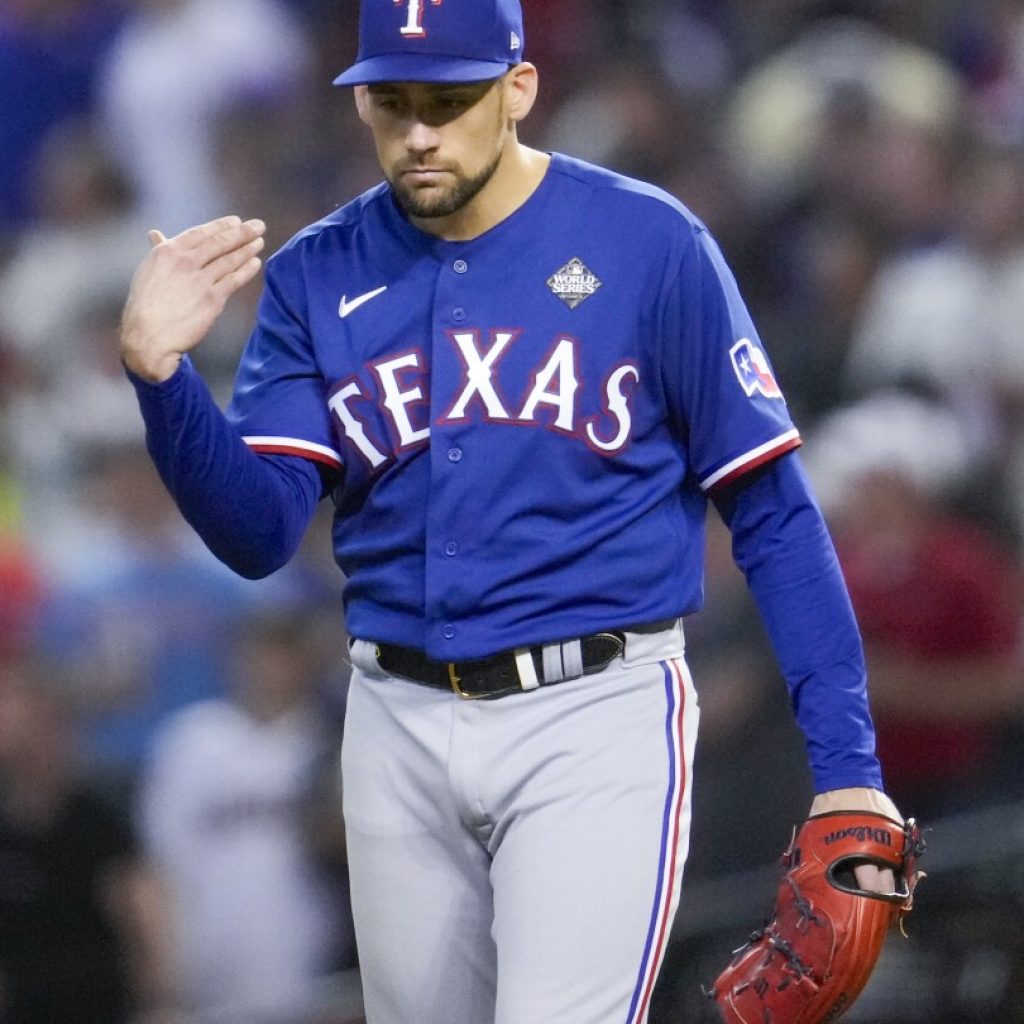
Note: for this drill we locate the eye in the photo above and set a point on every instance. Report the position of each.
(452, 106)
(385, 101)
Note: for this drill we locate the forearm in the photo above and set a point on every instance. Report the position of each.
(251, 511)
(782, 545)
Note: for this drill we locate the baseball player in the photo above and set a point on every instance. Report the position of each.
(520, 378)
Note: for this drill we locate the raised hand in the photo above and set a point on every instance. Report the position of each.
(180, 289)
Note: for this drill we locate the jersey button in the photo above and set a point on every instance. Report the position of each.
(454, 454)
(460, 266)
(458, 313)
(448, 632)
(451, 549)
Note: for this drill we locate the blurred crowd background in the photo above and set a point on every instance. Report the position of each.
(170, 841)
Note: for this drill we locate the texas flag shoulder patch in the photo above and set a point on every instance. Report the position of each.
(752, 370)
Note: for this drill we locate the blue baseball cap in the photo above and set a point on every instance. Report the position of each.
(436, 41)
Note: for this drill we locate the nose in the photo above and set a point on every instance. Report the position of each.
(420, 137)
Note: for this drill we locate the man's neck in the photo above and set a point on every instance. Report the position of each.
(518, 176)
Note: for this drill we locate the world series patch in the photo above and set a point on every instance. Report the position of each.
(574, 282)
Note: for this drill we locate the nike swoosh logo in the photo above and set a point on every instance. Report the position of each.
(347, 307)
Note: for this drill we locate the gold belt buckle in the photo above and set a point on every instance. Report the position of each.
(455, 680)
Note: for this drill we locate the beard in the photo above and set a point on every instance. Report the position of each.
(430, 203)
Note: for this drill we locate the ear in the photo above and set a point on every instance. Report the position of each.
(362, 95)
(520, 85)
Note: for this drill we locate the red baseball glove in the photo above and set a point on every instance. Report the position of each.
(812, 960)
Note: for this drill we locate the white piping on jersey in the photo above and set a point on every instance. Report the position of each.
(258, 441)
(753, 454)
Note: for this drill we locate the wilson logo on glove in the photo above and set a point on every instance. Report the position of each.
(860, 833)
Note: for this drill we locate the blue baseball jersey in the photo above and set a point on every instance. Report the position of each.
(523, 426)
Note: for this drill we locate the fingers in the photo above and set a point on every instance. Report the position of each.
(218, 248)
(874, 879)
(208, 241)
(195, 236)
(226, 241)
(230, 283)
(224, 266)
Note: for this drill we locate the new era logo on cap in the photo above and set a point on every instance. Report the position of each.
(436, 41)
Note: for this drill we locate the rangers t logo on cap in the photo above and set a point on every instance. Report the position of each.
(414, 26)
(436, 41)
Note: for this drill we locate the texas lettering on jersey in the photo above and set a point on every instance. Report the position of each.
(554, 384)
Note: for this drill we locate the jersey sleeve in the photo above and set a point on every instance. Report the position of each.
(720, 385)
(782, 545)
(279, 405)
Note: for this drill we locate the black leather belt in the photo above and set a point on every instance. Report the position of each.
(500, 674)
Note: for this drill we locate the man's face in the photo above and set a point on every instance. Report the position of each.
(438, 145)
